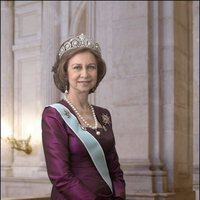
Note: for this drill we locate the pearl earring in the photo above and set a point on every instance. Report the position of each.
(66, 90)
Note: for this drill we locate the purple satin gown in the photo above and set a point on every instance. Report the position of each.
(69, 166)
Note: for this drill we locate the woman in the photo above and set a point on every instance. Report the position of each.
(78, 141)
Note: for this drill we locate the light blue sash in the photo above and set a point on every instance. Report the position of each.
(91, 144)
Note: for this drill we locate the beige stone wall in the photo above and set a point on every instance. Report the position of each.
(151, 51)
(195, 84)
(125, 89)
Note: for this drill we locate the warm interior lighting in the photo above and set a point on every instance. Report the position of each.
(18, 144)
(5, 129)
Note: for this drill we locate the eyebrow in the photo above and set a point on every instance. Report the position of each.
(81, 64)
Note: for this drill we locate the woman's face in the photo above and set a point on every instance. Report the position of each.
(82, 72)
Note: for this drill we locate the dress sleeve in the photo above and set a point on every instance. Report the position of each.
(55, 145)
(116, 173)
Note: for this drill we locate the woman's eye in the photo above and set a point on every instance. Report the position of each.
(77, 67)
(92, 66)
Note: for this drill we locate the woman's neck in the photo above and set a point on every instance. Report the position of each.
(79, 101)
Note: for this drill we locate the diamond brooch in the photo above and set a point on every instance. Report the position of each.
(106, 119)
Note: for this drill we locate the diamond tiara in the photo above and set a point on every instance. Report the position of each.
(77, 42)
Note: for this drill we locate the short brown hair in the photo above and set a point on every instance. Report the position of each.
(60, 68)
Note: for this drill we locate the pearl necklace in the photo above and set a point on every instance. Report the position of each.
(81, 117)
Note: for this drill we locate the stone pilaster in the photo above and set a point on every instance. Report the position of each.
(91, 32)
(7, 88)
(50, 45)
(176, 140)
(195, 114)
(64, 20)
(155, 98)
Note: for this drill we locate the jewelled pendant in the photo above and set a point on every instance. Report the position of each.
(98, 132)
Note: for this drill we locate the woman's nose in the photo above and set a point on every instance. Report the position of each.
(84, 72)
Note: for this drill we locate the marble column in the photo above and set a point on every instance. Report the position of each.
(195, 114)
(50, 44)
(155, 98)
(91, 32)
(7, 89)
(176, 140)
(64, 20)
